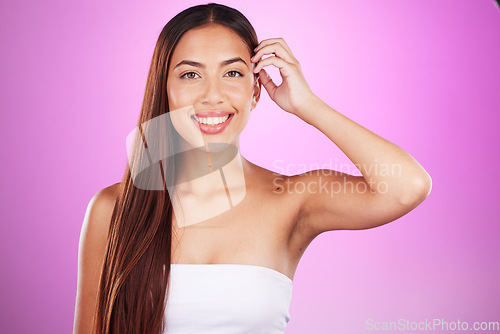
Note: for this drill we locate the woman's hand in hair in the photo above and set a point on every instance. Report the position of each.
(294, 94)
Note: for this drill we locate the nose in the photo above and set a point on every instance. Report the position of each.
(213, 92)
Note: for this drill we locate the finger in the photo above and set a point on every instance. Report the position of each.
(267, 82)
(283, 66)
(273, 40)
(278, 50)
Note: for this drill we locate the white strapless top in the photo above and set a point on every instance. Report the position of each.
(227, 299)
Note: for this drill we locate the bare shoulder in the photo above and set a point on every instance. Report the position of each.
(107, 196)
(268, 180)
(99, 210)
(274, 189)
(95, 227)
(102, 203)
(91, 254)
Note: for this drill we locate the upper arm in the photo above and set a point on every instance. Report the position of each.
(91, 253)
(338, 201)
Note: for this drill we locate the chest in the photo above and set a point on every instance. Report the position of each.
(256, 231)
(232, 299)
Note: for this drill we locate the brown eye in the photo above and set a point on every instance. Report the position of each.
(235, 72)
(184, 75)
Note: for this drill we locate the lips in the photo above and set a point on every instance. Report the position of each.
(212, 121)
(213, 113)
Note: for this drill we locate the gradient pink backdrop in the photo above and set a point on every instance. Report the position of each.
(421, 74)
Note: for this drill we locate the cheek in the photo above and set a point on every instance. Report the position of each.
(242, 95)
(178, 97)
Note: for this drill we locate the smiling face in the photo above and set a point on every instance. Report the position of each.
(210, 86)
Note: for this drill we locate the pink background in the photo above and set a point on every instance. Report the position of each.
(419, 73)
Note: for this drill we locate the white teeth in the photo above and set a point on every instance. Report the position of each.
(211, 120)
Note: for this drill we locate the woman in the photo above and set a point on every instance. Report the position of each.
(210, 243)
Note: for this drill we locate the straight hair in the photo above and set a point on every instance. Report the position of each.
(134, 281)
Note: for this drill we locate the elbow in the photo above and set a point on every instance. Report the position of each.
(417, 191)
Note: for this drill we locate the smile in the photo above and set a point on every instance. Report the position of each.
(212, 125)
(211, 120)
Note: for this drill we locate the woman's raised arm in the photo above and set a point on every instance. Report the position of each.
(393, 182)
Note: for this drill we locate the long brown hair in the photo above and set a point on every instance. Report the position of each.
(135, 276)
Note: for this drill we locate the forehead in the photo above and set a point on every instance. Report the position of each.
(210, 41)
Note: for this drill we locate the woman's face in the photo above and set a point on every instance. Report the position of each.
(210, 86)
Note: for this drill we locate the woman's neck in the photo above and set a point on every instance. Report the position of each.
(209, 181)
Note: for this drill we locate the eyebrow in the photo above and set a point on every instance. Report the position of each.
(197, 64)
